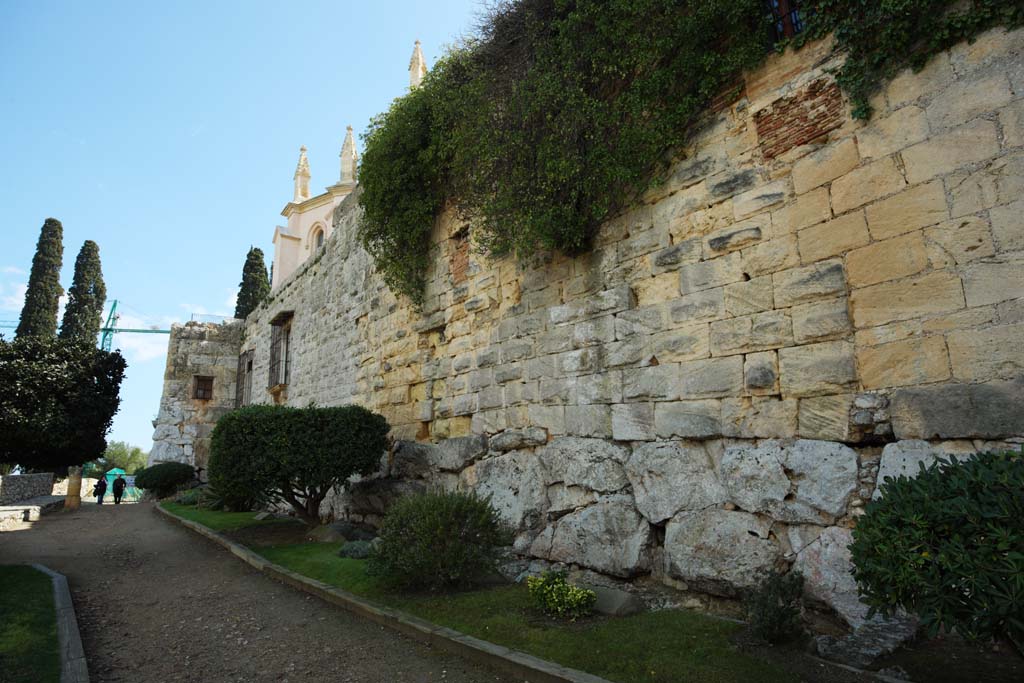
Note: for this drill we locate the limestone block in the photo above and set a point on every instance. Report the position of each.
(515, 483)
(737, 236)
(997, 183)
(633, 422)
(754, 477)
(902, 363)
(967, 144)
(670, 258)
(825, 564)
(990, 353)
(771, 256)
(934, 293)
(993, 410)
(1011, 120)
(643, 243)
(834, 237)
(719, 551)
(643, 320)
(904, 459)
(508, 372)
(758, 332)
(701, 221)
(593, 464)
(870, 182)
(752, 296)
(806, 210)
(909, 85)
(688, 419)
(671, 477)
(994, 280)
(657, 289)
(706, 305)
(910, 210)
(684, 343)
(760, 198)
(759, 417)
(1008, 226)
(968, 98)
(675, 207)
(609, 537)
(825, 165)
(820, 320)
(901, 129)
(711, 378)
(555, 391)
(816, 369)
(718, 272)
(589, 420)
(515, 439)
(593, 331)
(580, 361)
(761, 373)
(553, 341)
(605, 387)
(887, 260)
(730, 183)
(466, 404)
(959, 241)
(656, 383)
(634, 351)
(821, 280)
(825, 418)
(549, 417)
(490, 397)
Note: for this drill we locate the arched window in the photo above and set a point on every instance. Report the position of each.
(319, 239)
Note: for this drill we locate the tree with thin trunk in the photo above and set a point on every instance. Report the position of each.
(42, 299)
(255, 285)
(85, 297)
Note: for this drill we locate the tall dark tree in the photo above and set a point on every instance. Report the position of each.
(39, 315)
(85, 297)
(255, 286)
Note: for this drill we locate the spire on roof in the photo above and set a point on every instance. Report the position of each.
(349, 158)
(417, 67)
(301, 177)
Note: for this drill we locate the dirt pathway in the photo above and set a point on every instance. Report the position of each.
(158, 603)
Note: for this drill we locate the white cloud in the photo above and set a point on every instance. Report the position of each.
(232, 299)
(11, 270)
(139, 347)
(12, 297)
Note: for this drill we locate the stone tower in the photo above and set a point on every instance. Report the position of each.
(349, 159)
(301, 177)
(417, 67)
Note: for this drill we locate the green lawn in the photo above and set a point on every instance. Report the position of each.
(217, 520)
(28, 627)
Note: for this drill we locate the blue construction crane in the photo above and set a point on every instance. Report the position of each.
(106, 332)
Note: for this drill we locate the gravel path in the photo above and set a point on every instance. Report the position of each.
(158, 603)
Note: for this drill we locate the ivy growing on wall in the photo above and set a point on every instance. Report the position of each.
(558, 113)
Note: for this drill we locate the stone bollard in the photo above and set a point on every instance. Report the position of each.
(73, 498)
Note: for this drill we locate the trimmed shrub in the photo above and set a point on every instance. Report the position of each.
(356, 550)
(438, 540)
(164, 479)
(559, 598)
(190, 497)
(262, 454)
(773, 608)
(948, 546)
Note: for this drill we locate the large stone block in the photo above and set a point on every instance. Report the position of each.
(901, 129)
(1007, 227)
(593, 464)
(718, 272)
(760, 198)
(965, 99)
(994, 280)
(688, 419)
(589, 420)
(910, 210)
(834, 237)
(817, 369)
(685, 343)
(999, 182)
(826, 567)
(759, 332)
(719, 551)
(515, 483)
(759, 417)
(960, 241)
(819, 281)
(805, 211)
(990, 353)
(902, 363)
(992, 410)
(657, 383)
(825, 165)
(771, 256)
(866, 184)
(609, 537)
(753, 296)
(670, 477)
(942, 154)
(934, 293)
(905, 459)
(887, 260)
(711, 378)
(821, 320)
(761, 373)
(826, 418)
(736, 236)
(633, 422)
(699, 306)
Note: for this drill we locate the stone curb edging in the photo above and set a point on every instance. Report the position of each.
(73, 668)
(502, 659)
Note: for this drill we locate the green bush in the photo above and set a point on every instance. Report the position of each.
(438, 540)
(260, 454)
(190, 497)
(773, 608)
(356, 550)
(164, 479)
(948, 546)
(559, 598)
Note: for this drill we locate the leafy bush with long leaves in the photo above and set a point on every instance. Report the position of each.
(948, 546)
(165, 478)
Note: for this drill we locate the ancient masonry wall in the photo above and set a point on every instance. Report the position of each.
(806, 305)
(184, 423)
(18, 487)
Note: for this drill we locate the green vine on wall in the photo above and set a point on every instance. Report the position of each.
(559, 113)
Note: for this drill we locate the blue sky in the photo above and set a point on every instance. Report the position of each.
(168, 133)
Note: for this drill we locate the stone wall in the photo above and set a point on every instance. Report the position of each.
(184, 423)
(18, 487)
(807, 303)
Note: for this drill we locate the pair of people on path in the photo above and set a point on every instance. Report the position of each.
(100, 489)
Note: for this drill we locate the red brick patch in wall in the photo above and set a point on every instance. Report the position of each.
(458, 256)
(800, 118)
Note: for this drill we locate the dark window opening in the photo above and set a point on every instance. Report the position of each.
(320, 239)
(787, 18)
(280, 349)
(203, 388)
(243, 386)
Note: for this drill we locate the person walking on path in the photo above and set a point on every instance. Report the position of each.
(119, 485)
(99, 490)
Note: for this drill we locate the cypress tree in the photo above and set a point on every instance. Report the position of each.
(39, 315)
(255, 286)
(85, 297)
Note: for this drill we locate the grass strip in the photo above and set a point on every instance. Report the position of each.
(220, 521)
(28, 628)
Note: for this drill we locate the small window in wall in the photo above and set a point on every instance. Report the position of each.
(243, 386)
(318, 240)
(787, 19)
(202, 388)
(280, 349)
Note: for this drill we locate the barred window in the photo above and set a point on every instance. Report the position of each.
(280, 349)
(787, 18)
(202, 388)
(243, 386)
